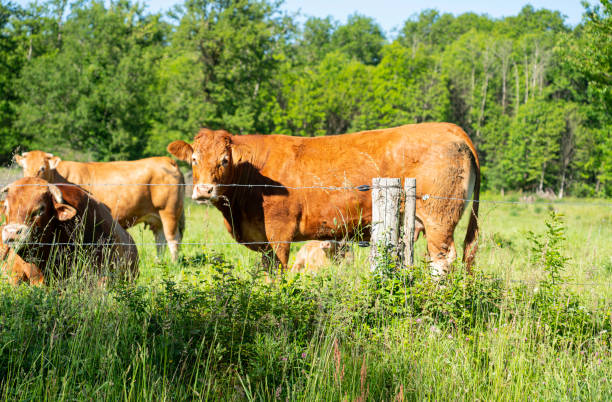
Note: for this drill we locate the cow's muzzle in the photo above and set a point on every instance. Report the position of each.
(204, 192)
(14, 233)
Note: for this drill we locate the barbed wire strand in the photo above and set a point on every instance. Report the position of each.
(359, 243)
(362, 188)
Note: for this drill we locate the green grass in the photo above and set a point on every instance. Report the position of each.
(210, 327)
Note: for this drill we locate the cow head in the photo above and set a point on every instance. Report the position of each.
(213, 157)
(37, 164)
(30, 204)
(334, 249)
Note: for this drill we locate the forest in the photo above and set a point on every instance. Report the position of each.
(92, 80)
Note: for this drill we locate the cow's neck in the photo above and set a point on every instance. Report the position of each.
(242, 202)
(56, 177)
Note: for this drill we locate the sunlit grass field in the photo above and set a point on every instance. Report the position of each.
(504, 248)
(210, 327)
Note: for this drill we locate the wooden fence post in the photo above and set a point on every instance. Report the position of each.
(386, 197)
(409, 216)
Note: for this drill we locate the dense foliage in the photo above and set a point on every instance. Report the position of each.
(229, 335)
(113, 82)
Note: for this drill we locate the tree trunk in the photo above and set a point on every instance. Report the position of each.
(526, 78)
(562, 187)
(534, 78)
(517, 89)
(473, 84)
(485, 86)
(504, 73)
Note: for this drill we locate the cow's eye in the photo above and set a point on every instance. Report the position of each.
(194, 161)
(41, 210)
(225, 161)
(42, 168)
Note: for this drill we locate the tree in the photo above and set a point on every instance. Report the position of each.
(10, 66)
(219, 69)
(92, 94)
(316, 40)
(361, 38)
(324, 99)
(404, 89)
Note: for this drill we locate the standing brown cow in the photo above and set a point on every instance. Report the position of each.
(41, 215)
(281, 207)
(149, 190)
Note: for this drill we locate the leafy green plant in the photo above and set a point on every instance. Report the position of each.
(547, 249)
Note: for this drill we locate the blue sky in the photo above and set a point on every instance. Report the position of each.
(391, 14)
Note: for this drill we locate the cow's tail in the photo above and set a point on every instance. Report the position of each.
(181, 224)
(470, 244)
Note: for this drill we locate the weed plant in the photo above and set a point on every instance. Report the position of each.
(211, 328)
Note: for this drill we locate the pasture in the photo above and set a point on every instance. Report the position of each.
(210, 327)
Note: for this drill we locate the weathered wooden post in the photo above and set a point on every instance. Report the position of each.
(409, 216)
(386, 197)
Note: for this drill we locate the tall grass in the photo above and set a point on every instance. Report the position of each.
(209, 327)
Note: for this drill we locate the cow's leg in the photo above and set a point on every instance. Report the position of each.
(277, 254)
(172, 230)
(156, 226)
(279, 236)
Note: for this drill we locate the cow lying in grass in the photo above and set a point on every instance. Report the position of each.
(278, 199)
(149, 190)
(16, 270)
(316, 254)
(53, 225)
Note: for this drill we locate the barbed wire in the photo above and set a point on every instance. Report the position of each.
(346, 242)
(425, 197)
(363, 188)
(251, 243)
(359, 188)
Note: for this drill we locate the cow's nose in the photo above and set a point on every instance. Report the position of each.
(13, 232)
(203, 191)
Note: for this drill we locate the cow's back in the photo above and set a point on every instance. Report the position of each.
(131, 189)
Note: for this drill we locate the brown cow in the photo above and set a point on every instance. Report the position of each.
(158, 201)
(278, 209)
(41, 215)
(16, 269)
(316, 254)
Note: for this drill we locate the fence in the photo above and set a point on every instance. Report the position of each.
(388, 229)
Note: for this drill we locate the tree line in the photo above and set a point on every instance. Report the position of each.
(110, 82)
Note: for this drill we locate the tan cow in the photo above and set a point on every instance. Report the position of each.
(277, 200)
(149, 190)
(12, 266)
(41, 216)
(16, 270)
(316, 254)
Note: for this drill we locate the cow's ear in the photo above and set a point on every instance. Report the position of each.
(54, 161)
(3, 193)
(65, 212)
(20, 160)
(181, 150)
(240, 153)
